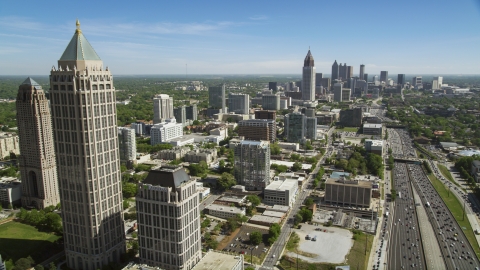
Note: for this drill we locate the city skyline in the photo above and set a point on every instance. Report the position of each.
(230, 38)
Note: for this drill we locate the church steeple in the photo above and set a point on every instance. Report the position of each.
(308, 62)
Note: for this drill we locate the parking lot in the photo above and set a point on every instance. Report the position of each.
(331, 244)
(241, 243)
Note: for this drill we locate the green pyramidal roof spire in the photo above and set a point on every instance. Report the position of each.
(79, 48)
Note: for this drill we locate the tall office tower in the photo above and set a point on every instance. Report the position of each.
(365, 77)
(295, 127)
(308, 78)
(216, 97)
(272, 86)
(383, 76)
(375, 78)
(311, 128)
(169, 220)
(271, 102)
(337, 92)
(127, 143)
(38, 167)
(180, 114)
(342, 71)
(162, 108)
(417, 82)
(258, 129)
(437, 82)
(252, 164)
(326, 82)
(352, 82)
(349, 72)
(318, 78)
(401, 79)
(362, 72)
(86, 144)
(335, 71)
(191, 112)
(239, 103)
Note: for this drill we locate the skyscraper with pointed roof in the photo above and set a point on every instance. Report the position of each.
(38, 167)
(308, 78)
(335, 71)
(86, 144)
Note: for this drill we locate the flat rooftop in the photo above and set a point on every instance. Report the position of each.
(266, 219)
(276, 214)
(282, 185)
(372, 125)
(224, 208)
(233, 199)
(218, 261)
(334, 181)
(375, 142)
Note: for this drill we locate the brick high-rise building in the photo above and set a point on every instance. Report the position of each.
(38, 167)
(258, 129)
(84, 121)
(265, 114)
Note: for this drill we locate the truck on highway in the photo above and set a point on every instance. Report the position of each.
(386, 214)
(427, 204)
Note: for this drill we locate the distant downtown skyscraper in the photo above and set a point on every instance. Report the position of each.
(38, 167)
(383, 76)
(401, 79)
(162, 108)
(86, 143)
(335, 71)
(362, 72)
(216, 97)
(308, 78)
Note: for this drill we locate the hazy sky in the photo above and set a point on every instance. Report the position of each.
(245, 37)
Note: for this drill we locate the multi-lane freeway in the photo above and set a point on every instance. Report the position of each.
(405, 246)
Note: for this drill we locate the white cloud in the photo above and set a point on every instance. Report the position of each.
(258, 18)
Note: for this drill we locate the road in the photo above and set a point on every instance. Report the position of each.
(208, 201)
(405, 248)
(275, 251)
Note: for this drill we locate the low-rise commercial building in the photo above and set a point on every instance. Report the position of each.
(372, 129)
(10, 191)
(8, 145)
(281, 192)
(223, 211)
(176, 152)
(374, 146)
(348, 193)
(207, 155)
(215, 260)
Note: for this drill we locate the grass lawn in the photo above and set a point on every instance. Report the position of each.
(348, 129)
(447, 174)
(18, 240)
(456, 208)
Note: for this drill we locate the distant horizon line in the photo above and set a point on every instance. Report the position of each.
(266, 74)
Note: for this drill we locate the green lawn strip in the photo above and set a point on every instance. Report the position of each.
(348, 129)
(447, 174)
(18, 240)
(456, 208)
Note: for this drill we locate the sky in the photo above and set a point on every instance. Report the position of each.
(245, 37)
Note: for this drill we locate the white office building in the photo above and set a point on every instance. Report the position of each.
(281, 192)
(162, 108)
(169, 220)
(165, 131)
(224, 211)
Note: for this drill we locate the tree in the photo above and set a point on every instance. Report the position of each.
(275, 149)
(226, 181)
(39, 267)
(255, 238)
(126, 204)
(129, 190)
(296, 166)
(308, 202)
(196, 122)
(52, 266)
(23, 263)
(123, 168)
(298, 218)
(135, 247)
(254, 199)
(53, 222)
(306, 214)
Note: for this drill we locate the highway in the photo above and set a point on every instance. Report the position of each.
(276, 249)
(405, 248)
(456, 250)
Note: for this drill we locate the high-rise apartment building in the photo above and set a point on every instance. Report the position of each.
(337, 92)
(169, 220)
(127, 144)
(383, 76)
(38, 167)
(335, 71)
(271, 86)
(295, 127)
(349, 72)
(180, 114)
(258, 129)
(162, 108)
(362, 72)
(191, 112)
(401, 79)
(252, 164)
(308, 78)
(271, 102)
(216, 97)
(346, 94)
(238, 103)
(84, 120)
